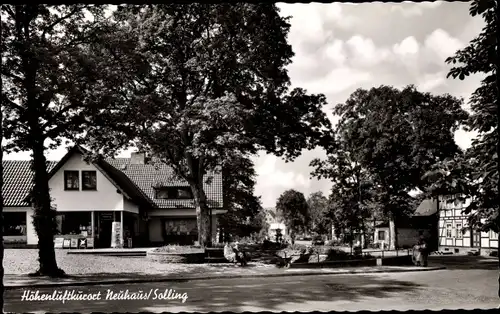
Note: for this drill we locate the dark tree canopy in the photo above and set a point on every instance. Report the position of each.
(45, 75)
(208, 84)
(318, 209)
(292, 206)
(244, 209)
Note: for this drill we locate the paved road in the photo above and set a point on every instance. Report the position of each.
(459, 287)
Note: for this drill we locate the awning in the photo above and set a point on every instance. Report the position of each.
(426, 208)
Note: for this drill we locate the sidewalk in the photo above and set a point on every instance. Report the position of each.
(24, 281)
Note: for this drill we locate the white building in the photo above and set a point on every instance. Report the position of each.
(145, 203)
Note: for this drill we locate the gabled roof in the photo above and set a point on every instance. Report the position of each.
(121, 182)
(427, 207)
(136, 182)
(149, 176)
(18, 181)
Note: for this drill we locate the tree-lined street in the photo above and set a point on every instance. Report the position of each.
(467, 283)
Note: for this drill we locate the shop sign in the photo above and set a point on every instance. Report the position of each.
(106, 216)
(116, 234)
(82, 243)
(90, 242)
(66, 243)
(58, 243)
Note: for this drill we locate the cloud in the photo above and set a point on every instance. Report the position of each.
(365, 53)
(442, 44)
(273, 181)
(430, 81)
(414, 9)
(408, 46)
(335, 52)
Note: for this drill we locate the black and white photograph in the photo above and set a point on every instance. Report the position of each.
(250, 156)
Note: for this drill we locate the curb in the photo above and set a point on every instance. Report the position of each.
(173, 279)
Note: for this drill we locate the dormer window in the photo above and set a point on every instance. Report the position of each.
(174, 193)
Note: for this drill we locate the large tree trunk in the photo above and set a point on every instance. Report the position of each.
(2, 288)
(393, 238)
(202, 217)
(44, 214)
(497, 79)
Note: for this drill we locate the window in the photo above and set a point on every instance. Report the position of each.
(184, 193)
(174, 193)
(381, 235)
(14, 223)
(73, 223)
(89, 180)
(448, 230)
(71, 180)
(459, 231)
(493, 235)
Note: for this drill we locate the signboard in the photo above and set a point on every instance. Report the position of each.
(116, 234)
(90, 242)
(58, 243)
(74, 243)
(82, 243)
(66, 243)
(106, 216)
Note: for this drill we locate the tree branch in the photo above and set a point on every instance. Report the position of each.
(62, 18)
(12, 104)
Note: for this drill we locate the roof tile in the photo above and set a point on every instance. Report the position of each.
(18, 182)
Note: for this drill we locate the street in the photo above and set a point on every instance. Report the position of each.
(468, 283)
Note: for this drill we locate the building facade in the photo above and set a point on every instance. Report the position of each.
(456, 236)
(118, 202)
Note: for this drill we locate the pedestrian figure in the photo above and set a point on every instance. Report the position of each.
(420, 252)
(240, 255)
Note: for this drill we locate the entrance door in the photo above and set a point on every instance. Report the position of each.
(105, 234)
(105, 222)
(476, 238)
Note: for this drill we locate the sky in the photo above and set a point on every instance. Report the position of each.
(341, 47)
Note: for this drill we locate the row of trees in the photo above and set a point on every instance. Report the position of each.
(391, 142)
(301, 215)
(201, 87)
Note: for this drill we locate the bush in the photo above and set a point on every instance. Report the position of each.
(178, 249)
(337, 255)
(269, 245)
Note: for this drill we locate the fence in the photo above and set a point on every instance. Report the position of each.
(384, 253)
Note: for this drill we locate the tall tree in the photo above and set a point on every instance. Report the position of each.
(352, 198)
(477, 175)
(397, 135)
(208, 82)
(292, 206)
(242, 205)
(318, 207)
(43, 72)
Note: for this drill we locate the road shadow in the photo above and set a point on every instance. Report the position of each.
(462, 262)
(232, 294)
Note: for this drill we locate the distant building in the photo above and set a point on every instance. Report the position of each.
(455, 235)
(275, 223)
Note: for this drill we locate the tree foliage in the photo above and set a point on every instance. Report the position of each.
(208, 84)
(476, 176)
(318, 210)
(394, 136)
(292, 206)
(45, 72)
(352, 198)
(244, 209)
